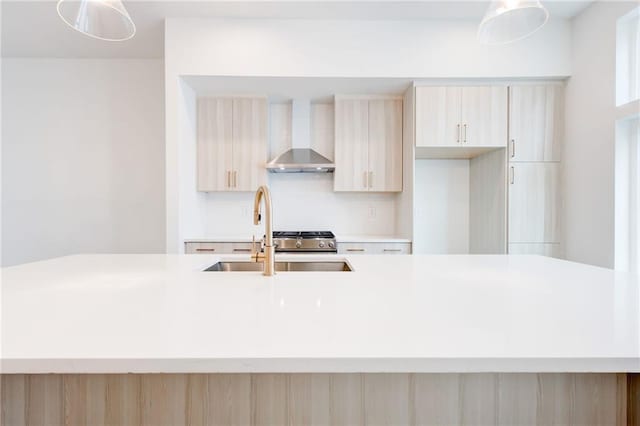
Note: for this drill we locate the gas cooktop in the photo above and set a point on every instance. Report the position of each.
(305, 241)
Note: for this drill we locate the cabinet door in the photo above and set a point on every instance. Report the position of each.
(249, 143)
(351, 145)
(484, 116)
(385, 145)
(438, 116)
(214, 144)
(534, 200)
(535, 123)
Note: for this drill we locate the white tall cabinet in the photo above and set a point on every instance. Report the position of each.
(368, 144)
(231, 144)
(535, 136)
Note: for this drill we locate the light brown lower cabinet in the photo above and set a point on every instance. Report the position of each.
(374, 248)
(321, 399)
(217, 248)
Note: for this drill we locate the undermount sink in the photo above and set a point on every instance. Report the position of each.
(292, 266)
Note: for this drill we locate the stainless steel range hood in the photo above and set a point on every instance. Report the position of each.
(300, 158)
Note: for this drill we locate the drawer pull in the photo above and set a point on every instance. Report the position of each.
(242, 250)
(205, 249)
(355, 249)
(392, 250)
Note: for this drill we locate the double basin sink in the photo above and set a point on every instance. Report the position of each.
(291, 266)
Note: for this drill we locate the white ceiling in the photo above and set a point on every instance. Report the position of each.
(33, 28)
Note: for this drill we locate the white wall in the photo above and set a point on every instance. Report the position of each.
(82, 157)
(441, 202)
(316, 48)
(347, 48)
(588, 158)
(301, 202)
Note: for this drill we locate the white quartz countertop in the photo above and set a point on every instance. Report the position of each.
(161, 313)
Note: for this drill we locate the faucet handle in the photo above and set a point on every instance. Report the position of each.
(256, 256)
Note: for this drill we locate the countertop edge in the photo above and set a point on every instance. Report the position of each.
(321, 365)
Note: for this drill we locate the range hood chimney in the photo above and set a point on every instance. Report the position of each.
(300, 158)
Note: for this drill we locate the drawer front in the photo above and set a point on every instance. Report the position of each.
(374, 248)
(355, 248)
(393, 248)
(217, 248)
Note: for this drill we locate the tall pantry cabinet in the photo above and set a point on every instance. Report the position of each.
(535, 137)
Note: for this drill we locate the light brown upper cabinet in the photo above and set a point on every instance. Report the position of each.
(535, 123)
(368, 144)
(461, 116)
(231, 144)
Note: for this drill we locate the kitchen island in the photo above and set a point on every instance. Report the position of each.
(416, 338)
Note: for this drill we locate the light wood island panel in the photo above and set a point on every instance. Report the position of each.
(321, 399)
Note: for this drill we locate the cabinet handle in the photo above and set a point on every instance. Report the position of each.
(205, 249)
(228, 179)
(365, 181)
(513, 175)
(242, 250)
(355, 249)
(465, 134)
(513, 148)
(458, 141)
(392, 250)
(235, 178)
(370, 179)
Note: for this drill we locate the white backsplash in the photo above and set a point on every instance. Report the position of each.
(302, 202)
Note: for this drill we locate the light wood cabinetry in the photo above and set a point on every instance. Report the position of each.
(351, 145)
(535, 123)
(385, 145)
(231, 144)
(461, 116)
(535, 135)
(368, 144)
(249, 143)
(534, 200)
(320, 399)
(217, 247)
(214, 144)
(374, 248)
(438, 116)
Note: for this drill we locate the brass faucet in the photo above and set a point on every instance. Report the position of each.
(268, 256)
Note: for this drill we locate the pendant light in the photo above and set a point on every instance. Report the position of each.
(101, 19)
(506, 21)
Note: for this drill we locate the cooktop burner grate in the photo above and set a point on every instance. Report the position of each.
(303, 234)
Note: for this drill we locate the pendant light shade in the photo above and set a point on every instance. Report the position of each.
(101, 19)
(510, 20)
